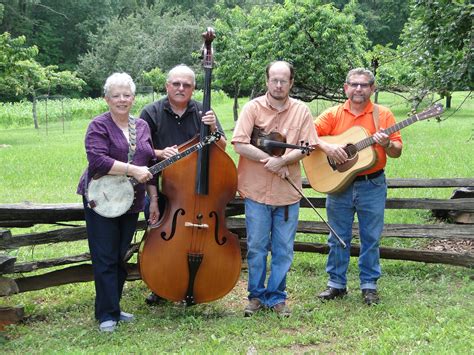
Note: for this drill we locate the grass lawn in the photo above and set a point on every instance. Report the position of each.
(425, 308)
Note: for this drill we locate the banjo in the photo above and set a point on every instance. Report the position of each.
(112, 195)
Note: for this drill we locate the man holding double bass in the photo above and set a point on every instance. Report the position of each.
(265, 183)
(175, 119)
(366, 195)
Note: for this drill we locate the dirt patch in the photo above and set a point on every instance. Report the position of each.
(453, 246)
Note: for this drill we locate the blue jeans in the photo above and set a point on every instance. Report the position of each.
(109, 240)
(267, 231)
(367, 199)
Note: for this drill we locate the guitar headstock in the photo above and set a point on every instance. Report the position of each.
(435, 110)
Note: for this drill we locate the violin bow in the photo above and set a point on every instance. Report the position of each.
(314, 209)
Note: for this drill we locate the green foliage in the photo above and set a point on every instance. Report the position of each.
(155, 78)
(60, 28)
(383, 19)
(22, 74)
(138, 43)
(437, 44)
(321, 42)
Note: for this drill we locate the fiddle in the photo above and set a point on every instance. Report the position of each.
(274, 143)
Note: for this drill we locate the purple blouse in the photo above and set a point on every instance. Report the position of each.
(105, 143)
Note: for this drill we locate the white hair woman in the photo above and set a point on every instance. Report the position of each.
(116, 144)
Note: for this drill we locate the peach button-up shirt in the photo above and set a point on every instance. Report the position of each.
(294, 121)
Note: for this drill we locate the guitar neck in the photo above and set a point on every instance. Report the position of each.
(367, 142)
(155, 169)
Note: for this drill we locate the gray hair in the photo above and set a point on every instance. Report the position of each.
(119, 79)
(361, 71)
(181, 69)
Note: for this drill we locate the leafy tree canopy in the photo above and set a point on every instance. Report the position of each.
(321, 42)
(438, 44)
(141, 42)
(21, 74)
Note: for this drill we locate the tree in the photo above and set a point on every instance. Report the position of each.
(234, 54)
(322, 42)
(60, 28)
(437, 43)
(139, 43)
(156, 78)
(21, 75)
(383, 19)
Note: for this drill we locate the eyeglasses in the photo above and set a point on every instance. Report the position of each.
(281, 82)
(178, 84)
(362, 85)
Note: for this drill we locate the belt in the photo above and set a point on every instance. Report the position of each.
(369, 176)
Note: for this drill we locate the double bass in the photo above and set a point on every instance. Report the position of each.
(190, 256)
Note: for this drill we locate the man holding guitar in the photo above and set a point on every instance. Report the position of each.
(365, 193)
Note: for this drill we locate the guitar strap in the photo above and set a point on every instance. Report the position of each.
(375, 116)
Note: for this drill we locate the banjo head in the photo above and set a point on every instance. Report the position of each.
(110, 195)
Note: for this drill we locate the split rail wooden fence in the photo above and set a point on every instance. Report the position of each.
(77, 268)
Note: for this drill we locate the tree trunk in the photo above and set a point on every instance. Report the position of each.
(448, 101)
(236, 102)
(35, 114)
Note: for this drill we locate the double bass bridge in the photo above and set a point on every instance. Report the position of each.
(196, 225)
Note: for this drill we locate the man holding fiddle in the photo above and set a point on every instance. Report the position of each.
(271, 203)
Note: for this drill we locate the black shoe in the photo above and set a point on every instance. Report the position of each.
(370, 296)
(154, 299)
(331, 293)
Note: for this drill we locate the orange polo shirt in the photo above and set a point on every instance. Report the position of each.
(338, 119)
(295, 122)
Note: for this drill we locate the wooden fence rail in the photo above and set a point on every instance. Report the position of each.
(27, 215)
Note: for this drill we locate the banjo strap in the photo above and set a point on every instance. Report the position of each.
(132, 137)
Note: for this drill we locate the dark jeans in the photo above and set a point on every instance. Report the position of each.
(109, 240)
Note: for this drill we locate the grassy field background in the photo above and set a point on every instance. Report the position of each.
(425, 308)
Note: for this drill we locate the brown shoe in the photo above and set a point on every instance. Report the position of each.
(370, 296)
(331, 293)
(282, 310)
(253, 307)
(153, 299)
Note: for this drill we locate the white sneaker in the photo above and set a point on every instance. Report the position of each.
(126, 317)
(108, 326)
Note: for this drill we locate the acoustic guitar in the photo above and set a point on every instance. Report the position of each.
(326, 176)
(112, 195)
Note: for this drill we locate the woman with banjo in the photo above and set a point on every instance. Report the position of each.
(116, 145)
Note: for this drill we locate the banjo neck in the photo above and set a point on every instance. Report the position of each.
(155, 169)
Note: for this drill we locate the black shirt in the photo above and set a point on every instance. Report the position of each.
(167, 128)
